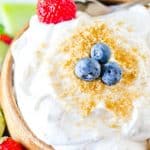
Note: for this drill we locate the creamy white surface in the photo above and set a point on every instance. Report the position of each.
(47, 117)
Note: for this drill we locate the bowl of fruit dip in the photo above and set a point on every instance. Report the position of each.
(79, 82)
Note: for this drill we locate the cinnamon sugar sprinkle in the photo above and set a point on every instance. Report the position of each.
(117, 98)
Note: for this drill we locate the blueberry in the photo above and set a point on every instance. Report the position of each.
(101, 52)
(87, 69)
(111, 73)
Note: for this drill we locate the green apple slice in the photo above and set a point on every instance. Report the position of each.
(1, 29)
(15, 15)
(3, 51)
(2, 123)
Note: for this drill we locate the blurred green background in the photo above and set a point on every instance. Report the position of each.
(14, 14)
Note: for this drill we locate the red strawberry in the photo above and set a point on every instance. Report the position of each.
(55, 11)
(10, 144)
(5, 38)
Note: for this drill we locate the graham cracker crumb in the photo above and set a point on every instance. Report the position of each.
(117, 98)
(121, 107)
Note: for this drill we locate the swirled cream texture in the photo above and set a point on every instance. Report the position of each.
(71, 114)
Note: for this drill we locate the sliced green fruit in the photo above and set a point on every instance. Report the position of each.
(1, 29)
(3, 51)
(16, 15)
(2, 123)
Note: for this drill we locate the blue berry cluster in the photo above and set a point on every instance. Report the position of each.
(98, 66)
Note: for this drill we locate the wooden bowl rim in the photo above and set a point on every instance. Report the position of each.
(9, 104)
(8, 94)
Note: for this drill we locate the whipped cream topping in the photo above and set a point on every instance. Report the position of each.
(40, 80)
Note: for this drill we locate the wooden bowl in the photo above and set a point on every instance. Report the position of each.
(16, 125)
(15, 122)
(114, 1)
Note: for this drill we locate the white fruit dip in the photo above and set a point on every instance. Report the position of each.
(71, 114)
